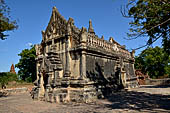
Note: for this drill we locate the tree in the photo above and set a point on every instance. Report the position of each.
(153, 61)
(27, 65)
(5, 20)
(151, 19)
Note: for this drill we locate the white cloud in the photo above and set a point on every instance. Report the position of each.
(29, 44)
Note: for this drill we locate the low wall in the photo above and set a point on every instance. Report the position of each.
(157, 81)
(6, 92)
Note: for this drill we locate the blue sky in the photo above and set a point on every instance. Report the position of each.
(33, 16)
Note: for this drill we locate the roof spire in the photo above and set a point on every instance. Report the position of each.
(90, 29)
(102, 37)
(12, 70)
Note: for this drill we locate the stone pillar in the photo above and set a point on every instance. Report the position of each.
(41, 81)
(133, 62)
(47, 88)
(67, 67)
(83, 65)
(41, 86)
(123, 78)
(67, 46)
(83, 40)
(48, 81)
(37, 74)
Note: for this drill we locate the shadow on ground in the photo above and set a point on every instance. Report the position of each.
(138, 100)
(155, 86)
(3, 94)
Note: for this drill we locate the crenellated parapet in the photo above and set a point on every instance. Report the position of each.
(111, 46)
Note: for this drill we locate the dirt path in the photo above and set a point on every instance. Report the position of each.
(145, 99)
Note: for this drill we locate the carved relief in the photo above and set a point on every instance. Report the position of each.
(115, 48)
(57, 25)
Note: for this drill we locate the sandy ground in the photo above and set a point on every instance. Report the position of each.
(144, 99)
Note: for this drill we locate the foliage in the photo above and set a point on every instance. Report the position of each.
(5, 20)
(7, 77)
(27, 65)
(153, 61)
(151, 19)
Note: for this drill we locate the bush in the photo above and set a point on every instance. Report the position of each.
(7, 77)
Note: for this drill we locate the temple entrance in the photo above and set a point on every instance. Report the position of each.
(45, 79)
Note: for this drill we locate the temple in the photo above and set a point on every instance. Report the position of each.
(12, 69)
(75, 65)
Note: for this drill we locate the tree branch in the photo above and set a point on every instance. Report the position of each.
(147, 44)
(142, 33)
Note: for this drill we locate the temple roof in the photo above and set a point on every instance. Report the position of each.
(58, 25)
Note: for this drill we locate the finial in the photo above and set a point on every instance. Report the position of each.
(133, 53)
(83, 36)
(43, 32)
(70, 21)
(83, 29)
(68, 29)
(124, 46)
(54, 8)
(111, 40)
(102, 37)
(90, 29)
(43, 35)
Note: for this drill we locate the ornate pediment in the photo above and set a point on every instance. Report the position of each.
(57, 25)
